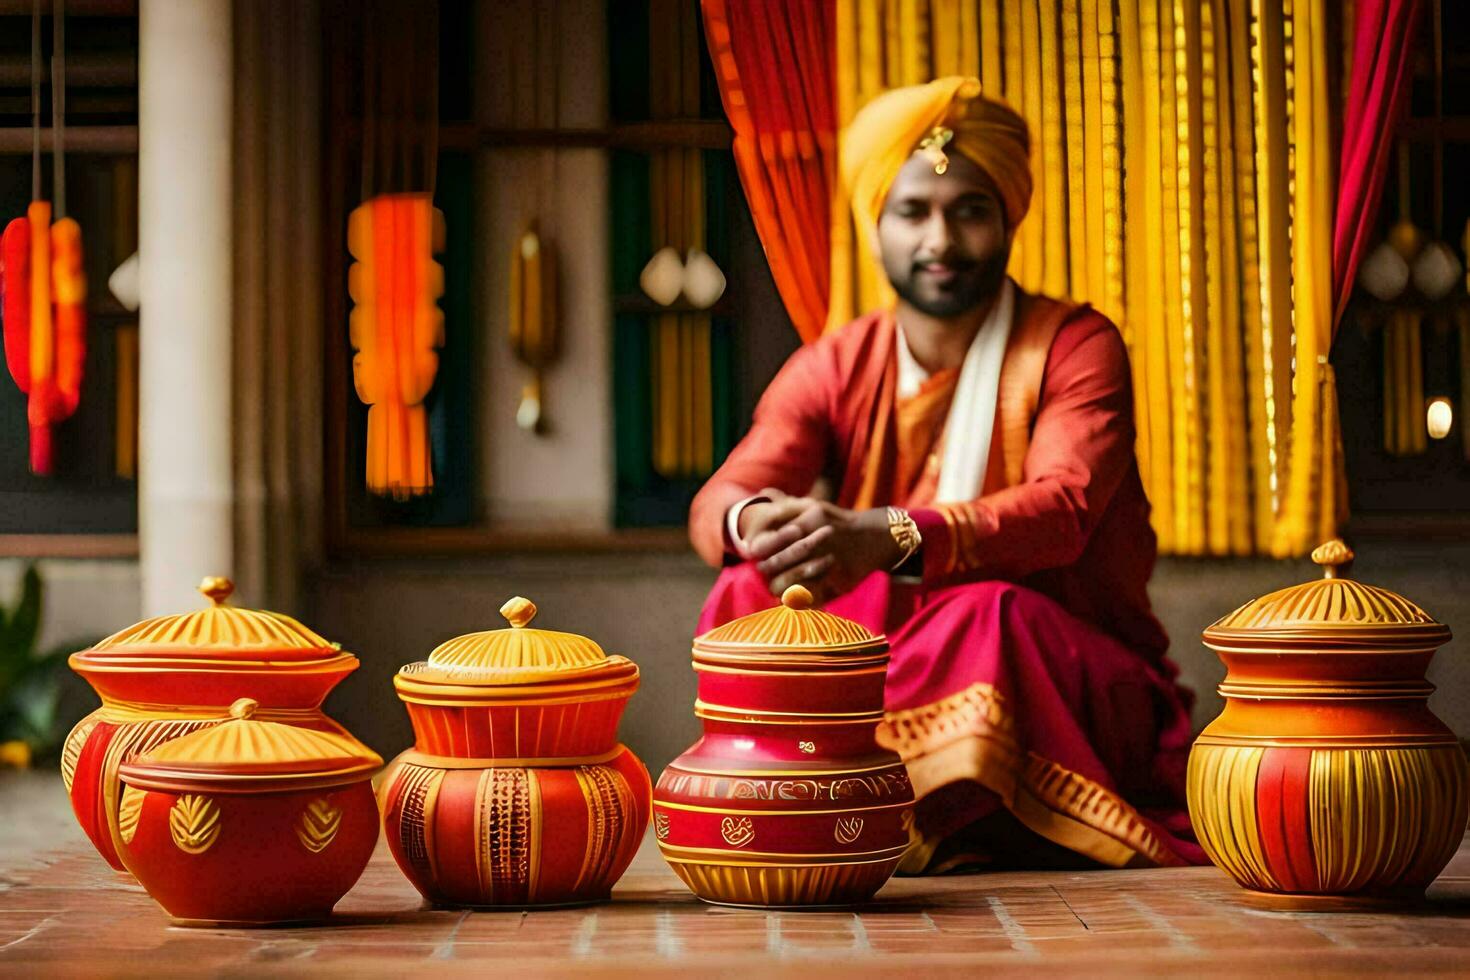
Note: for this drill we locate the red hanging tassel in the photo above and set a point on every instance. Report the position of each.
(45, 309)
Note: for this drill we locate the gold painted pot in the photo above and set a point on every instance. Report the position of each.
(787, 800)
(172, 675)
(1327, 774)
(516, 793)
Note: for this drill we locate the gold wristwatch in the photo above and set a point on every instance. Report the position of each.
(905, 533)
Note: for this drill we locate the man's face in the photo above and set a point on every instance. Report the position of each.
(943, 236)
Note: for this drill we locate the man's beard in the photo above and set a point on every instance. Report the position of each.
(975, 284)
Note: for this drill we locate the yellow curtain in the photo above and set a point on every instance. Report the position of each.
(1184, 157)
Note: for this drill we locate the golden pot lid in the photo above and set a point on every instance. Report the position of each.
(218, 630)
(517, 656)
(792, 627)
(1332, 609)
(250, 755)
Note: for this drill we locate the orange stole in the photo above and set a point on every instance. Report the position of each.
(919, 421)
(899, 427)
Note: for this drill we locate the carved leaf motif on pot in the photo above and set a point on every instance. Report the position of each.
(661, 825)
(128, 812)
(807, 747)
(848, 829)
(737, 832)
(194, 823)
(71, 750)
(319, 824)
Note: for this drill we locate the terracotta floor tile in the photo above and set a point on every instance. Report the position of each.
(63, 912)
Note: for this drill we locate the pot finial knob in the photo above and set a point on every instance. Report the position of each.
(518, 611)
(1332, 556)
(217, 587)
(796, 597)
(244, 709)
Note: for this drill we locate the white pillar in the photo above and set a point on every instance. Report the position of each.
(185, 74)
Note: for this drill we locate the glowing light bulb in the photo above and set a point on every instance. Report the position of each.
(1439, 418)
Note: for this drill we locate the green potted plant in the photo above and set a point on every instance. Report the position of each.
(30, 681)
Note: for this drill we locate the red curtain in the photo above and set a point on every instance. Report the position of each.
(1383, 39)
(773, 59)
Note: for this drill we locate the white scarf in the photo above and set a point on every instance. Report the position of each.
(971, 419)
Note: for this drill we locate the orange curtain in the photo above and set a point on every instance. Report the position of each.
(773, 60)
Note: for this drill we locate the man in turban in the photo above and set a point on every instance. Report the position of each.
(957, 470)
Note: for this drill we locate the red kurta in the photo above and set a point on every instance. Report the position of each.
(1028, 669)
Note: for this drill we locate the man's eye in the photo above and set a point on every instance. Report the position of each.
(973, 212)
(912, 211)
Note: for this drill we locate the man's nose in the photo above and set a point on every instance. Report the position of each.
(937, 238)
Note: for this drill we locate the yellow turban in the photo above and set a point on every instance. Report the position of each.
(947, 115)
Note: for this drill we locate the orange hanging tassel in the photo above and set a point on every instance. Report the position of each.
(45, 309)
(396, 326)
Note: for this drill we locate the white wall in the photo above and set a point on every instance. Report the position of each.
(82, 599)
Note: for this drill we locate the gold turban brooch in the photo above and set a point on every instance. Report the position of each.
(942, 117)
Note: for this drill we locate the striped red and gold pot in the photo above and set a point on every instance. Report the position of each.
(172, 675)
(249, 822)
(1327, 774)
(787, 800)
(517, 793)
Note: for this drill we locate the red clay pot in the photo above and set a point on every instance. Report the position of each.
(787, 800)
(1327, 775)
(516, 793)
(173, 675)
(249, 822)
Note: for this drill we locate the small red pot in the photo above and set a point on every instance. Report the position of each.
(249, 822)
(516, 793)
(167, 677)
(787, 800)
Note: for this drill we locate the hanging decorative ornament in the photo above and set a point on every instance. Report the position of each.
(396, 326)
(1403, 383)
(533, 319)
(1403, 341)
(663, 277)
(1436, 268)
(681, 342)
(42, 278)
(534, 328)
(1436, 271)
(1406, 239)
(704, 283)
(1384, 273)
(123, 284)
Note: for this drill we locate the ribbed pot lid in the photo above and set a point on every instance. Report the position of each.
(218, 630)
(1332, 608)
(516, 656)
(243, 749)
(793, 626)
